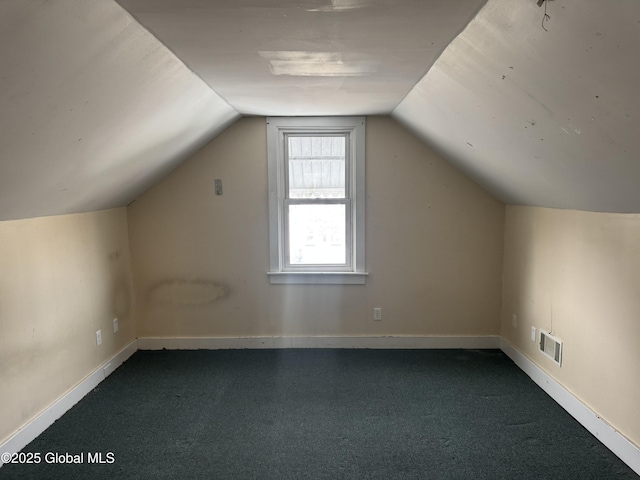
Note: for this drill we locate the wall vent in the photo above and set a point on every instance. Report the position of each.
(551, 347)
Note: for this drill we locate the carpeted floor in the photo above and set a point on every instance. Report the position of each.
(320, 414)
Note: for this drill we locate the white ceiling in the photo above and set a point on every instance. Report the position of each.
(95, 108)
(312, 57)
(547, 118)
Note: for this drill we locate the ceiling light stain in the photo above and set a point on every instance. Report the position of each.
(319, 64)
(342, 5)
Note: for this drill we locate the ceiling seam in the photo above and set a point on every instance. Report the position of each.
(186, 65)
(444, 49)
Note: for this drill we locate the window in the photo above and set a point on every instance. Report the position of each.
(316, 199)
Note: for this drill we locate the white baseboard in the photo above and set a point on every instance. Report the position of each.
(609, 436)
(27, 433)
(217, 343)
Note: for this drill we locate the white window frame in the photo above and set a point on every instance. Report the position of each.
(278, 129)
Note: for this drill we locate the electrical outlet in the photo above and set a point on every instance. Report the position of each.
(533, 334)
(99, 337)
(514, 321)
(377, 313)
(115, 325)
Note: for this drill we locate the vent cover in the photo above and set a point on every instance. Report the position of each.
(551, 347)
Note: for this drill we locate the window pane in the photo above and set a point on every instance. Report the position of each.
(317, 235)
(316, 167)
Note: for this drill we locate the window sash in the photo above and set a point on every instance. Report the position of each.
(319, 133)
(346, 201)
(348, 226)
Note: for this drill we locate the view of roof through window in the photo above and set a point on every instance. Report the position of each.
(317, 166)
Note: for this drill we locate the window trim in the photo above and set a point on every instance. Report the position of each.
(278, 128)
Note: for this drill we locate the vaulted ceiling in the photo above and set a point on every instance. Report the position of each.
(99, 100)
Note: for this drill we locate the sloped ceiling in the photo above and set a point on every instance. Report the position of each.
(93, 109)
(540, 117)
(97, 106)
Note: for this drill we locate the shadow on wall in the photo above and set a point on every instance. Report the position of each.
(121, 286)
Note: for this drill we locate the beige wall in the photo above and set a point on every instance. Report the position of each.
(577, 275)
(434, 253)
(434, 248)
(61, 279)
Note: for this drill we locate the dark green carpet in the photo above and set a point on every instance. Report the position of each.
(330, 414)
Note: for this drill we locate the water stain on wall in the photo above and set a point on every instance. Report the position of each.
(184, 293)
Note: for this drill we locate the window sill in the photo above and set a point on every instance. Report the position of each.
(318, 278)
